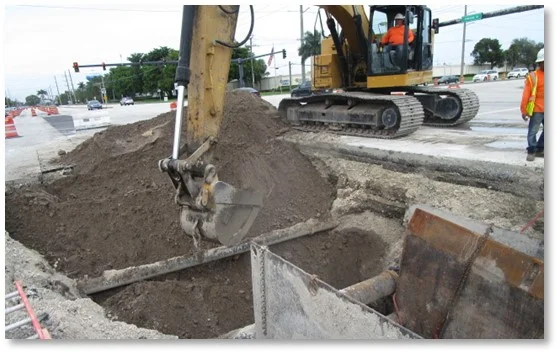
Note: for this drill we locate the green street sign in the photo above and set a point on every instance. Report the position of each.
(472, 17)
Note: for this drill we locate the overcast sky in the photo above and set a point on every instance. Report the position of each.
(42, 39)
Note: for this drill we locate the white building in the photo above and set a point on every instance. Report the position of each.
(272, 82)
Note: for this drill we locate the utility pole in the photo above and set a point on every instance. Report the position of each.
(240, 69)
(58, 91)
(68, 86)
(252, 69)
(462, 79)
(103, 91)
(301, 39)
(290, 70)
(275, 76)
(72, 83)
(51, 93)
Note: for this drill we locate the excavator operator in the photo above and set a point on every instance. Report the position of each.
(394, 38)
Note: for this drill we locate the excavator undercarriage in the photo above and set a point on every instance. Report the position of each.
(379, 114)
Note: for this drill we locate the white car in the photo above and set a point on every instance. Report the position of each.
(518, 73)
(125, 101)
(486, 75)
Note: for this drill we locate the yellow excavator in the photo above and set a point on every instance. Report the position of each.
(351, 59)
(355, 60)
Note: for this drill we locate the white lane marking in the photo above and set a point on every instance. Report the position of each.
(505, 110)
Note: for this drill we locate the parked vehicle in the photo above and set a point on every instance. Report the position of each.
(486, 75)
(125, 101)
(518, 73)
(250, 90)
(94, 105)
(448, 79)
(302, 90)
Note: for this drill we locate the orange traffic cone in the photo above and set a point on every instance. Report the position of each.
(33, 112)
(11, 131)
(173, 105)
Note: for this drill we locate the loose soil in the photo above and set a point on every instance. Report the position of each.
(210, 300)
(117, 209)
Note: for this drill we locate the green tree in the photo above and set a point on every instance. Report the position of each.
(11, 103)
(167, 81)
(81, 94)
(65, 98)
(512, 56)
(311, 45)
(41, 93)
(488, 50)
(137, 74)
(259, 66)
(93, 88)
(122, 81)
(527, 50)
(154, 74)
(32, 100)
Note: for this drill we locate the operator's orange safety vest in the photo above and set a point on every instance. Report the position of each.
(395, 36)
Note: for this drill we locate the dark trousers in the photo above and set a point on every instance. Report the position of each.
(534, 124)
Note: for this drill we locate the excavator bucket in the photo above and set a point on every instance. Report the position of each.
(233, 213)
(462, 279)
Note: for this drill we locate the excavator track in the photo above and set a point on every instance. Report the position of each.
(467, 109)
(355, 114)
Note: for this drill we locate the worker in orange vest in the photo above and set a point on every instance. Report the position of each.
(393, 40)
(395, 35)
(532, 108)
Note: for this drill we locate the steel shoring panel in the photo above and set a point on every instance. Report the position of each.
(292, 304)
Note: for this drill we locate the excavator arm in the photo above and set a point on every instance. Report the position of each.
(210, 208)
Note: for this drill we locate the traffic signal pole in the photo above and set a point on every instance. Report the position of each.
(77, 67)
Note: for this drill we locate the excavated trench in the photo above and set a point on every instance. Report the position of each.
(213, 299)
(116, 210)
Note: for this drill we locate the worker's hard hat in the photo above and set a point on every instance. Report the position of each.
(399, 17)
(540, 56)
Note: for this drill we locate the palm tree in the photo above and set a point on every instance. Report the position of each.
(41, 93)
(311, 45)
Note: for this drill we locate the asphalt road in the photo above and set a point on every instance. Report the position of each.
(498, 133)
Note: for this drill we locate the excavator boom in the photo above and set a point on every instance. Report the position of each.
(210, 208)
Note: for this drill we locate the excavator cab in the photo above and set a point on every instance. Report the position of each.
(416, 56)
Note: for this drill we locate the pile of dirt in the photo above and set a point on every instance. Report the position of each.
(117, 209)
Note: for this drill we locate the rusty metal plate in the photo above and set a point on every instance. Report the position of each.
(456, 282)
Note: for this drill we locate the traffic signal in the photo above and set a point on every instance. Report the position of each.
(76, 67)
(283, 54)
(103, 65)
